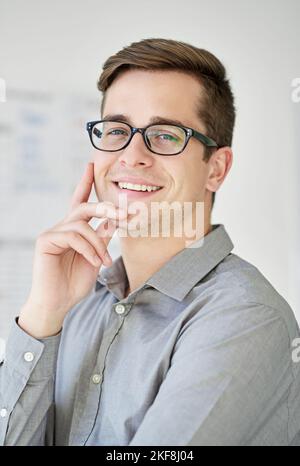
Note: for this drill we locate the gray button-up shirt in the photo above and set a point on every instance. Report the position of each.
(200, 354)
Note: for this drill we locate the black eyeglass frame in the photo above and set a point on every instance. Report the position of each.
(189, 132)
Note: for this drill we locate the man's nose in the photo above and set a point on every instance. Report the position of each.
(136, 153)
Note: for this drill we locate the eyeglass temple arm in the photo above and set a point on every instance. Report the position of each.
(89, 127)
(90, 124)
(205, 139)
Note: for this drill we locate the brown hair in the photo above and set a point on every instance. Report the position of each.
(215, 109)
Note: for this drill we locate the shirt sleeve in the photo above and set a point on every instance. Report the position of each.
(27, 376)
(227, 374)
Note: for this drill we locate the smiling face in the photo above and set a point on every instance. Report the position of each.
(142, 95)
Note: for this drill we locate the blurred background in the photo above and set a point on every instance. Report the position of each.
(51, 54)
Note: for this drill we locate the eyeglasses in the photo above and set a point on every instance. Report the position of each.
(161, 139)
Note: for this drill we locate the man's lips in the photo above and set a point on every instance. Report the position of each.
(134, 193)
(132, 180)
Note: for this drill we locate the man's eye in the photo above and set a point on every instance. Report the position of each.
(117, 132)
(168, 137)
(163, 136)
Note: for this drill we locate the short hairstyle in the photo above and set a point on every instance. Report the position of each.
(215, 108)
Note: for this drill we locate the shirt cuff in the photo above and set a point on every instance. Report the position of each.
(30, 357)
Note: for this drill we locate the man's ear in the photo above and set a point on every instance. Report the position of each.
(219, 165)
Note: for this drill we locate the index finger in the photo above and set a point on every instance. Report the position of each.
(84, 187)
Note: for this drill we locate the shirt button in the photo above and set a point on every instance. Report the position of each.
(96, 378)
(28, 357)
(3, 412)
(120, 308)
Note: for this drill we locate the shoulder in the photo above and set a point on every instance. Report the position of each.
(236, 293)
(252, 283)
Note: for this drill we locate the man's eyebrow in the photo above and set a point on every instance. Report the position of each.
(153, 120)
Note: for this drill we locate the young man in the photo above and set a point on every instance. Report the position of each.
(175, 342)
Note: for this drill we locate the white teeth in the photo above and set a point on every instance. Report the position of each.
(137, 187)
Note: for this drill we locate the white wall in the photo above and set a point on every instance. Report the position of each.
(59, 46)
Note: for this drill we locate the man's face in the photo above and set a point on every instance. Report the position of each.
(141, 95)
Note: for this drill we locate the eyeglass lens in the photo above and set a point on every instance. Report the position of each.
(112, 136)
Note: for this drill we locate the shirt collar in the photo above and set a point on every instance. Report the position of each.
(180, 274)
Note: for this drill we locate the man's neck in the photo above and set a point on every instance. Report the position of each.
(143, 257)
